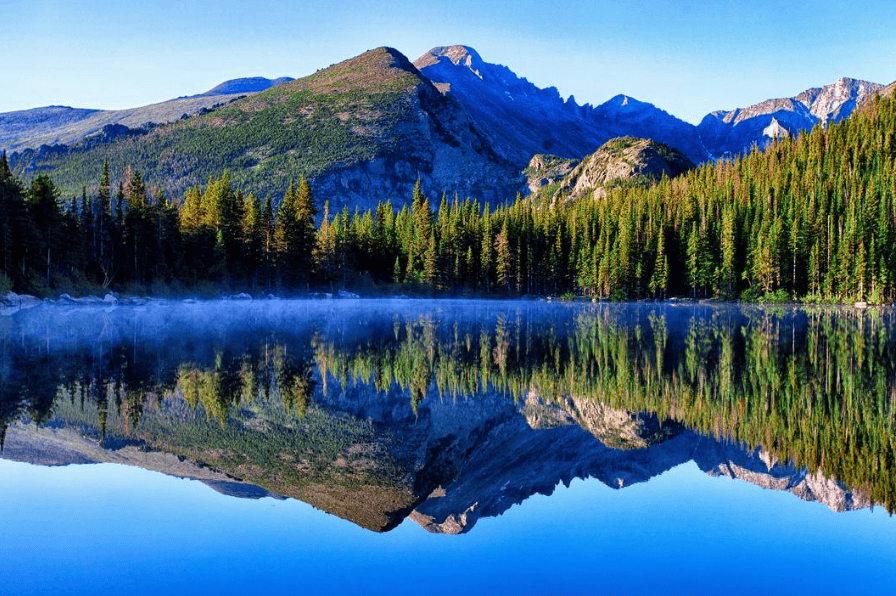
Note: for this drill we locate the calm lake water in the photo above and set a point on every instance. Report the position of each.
(444, 447)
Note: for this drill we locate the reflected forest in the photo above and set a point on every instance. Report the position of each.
(283, 402)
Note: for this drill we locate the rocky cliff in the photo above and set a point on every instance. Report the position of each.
(736, 131)
(622, 161)
(445, 466)
(521, 120)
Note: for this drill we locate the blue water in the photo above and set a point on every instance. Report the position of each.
(105, 528)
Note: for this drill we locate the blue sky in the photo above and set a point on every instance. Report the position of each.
(687, 58)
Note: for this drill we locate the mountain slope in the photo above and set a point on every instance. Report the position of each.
(245, 85)
(363, 130)
(736, 131)
(522, 120)
(61, 125)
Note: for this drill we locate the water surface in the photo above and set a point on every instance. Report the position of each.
(389, 447)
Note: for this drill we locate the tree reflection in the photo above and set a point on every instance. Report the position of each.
(813, 386)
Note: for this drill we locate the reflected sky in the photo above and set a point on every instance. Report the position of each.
(91, 529)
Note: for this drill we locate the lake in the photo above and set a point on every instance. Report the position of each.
(447, 446)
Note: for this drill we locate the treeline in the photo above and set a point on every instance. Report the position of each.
(810, 219)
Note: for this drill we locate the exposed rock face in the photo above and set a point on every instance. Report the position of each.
(760, 469)
(362, 131)
(618, 429)
(521, 120)
(623, 160)
(459, 124)
(544, 170)
(735, 132)
(480, 457)
(451, 464)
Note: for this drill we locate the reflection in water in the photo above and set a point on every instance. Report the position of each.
(450, 411)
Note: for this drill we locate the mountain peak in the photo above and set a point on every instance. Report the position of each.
(459, 55)
(522, 120)
(628, 104)
(244, 85)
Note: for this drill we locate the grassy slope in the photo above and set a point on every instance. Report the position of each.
(342, 115)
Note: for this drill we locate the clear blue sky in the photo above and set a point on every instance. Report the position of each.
(687, 58)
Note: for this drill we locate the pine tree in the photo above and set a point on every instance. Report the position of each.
(295, 234)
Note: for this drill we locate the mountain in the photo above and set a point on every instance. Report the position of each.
(366, 129)
(521, 120)
(61, 125)
(245, 85)
(619, 161)
(362, 131)
(445, 468)
(734, 132)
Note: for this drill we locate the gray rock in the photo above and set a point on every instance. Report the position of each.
(730, 133)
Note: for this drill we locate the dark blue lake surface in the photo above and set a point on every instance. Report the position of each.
(444, 447)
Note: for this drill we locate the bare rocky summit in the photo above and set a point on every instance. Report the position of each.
(366, 129)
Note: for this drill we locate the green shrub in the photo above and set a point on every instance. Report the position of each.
(750, 295)
(779, 296)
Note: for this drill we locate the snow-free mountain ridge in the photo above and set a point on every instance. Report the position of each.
(365, 129)
(522, 120)
(62, 125)
(733, 132)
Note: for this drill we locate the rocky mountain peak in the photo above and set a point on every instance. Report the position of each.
(735, 131)
(626, 103)
(836, 101)
(522, 120)
(459, 55)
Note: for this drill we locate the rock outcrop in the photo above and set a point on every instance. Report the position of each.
(546, 170)
(623, 161)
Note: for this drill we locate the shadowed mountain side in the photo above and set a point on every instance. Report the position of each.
(245, 85)
(514, 464)
(521, 120)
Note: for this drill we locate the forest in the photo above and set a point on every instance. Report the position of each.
(811, 219)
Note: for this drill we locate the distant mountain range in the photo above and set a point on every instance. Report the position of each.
(731, 133)
(58, 125)
(366, 129)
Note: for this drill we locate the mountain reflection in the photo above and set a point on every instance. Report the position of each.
(448, 411)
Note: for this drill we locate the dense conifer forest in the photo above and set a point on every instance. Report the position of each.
(810, 219)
